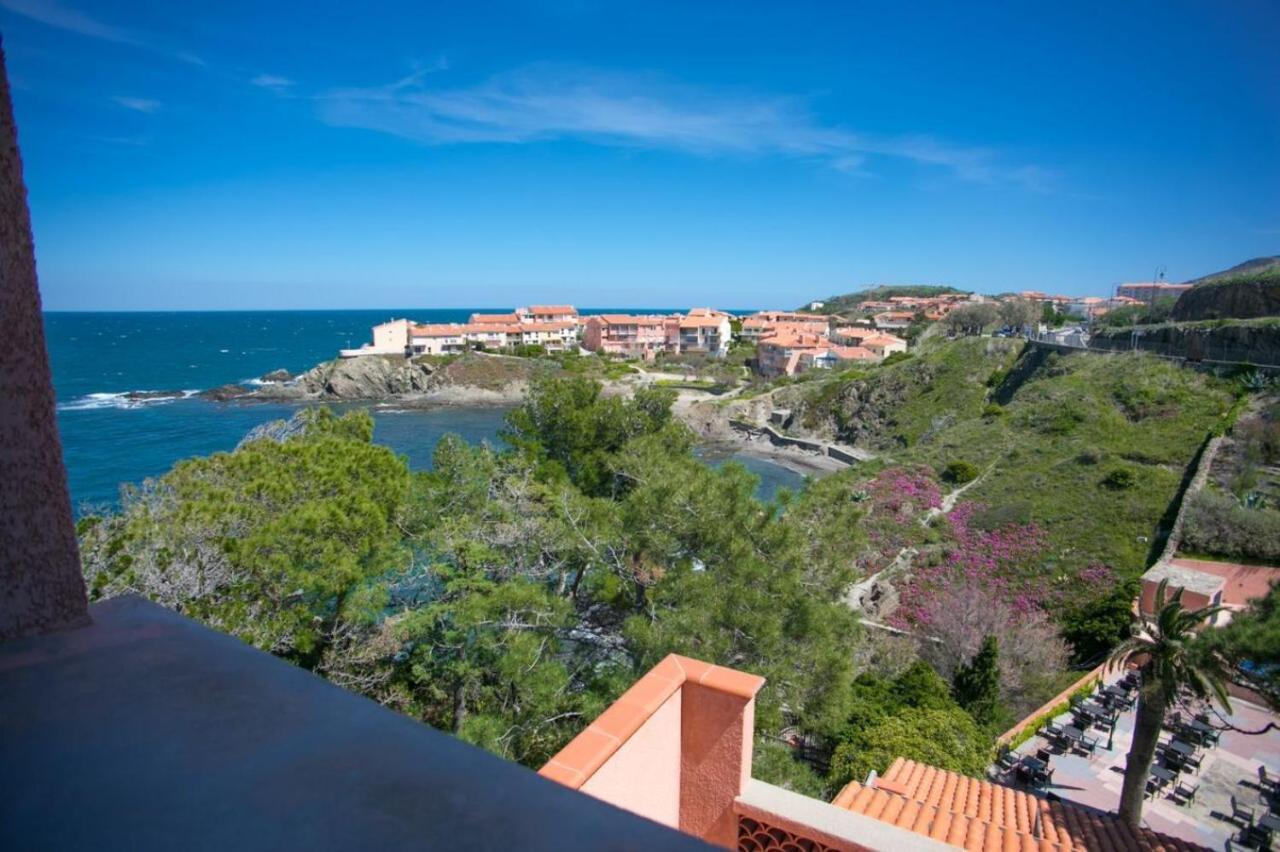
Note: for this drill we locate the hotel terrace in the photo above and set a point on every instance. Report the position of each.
(676, 748)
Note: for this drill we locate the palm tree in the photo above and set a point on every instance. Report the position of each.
(1171, 661)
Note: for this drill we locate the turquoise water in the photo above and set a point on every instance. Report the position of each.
(108, 440)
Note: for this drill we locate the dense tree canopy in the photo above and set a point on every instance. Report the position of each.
(509, 595)
(275, 542)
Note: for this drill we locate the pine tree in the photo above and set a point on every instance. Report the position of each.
(976, 685)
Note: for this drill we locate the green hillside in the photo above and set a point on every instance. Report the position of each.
(1250, 268)
(1091, 447)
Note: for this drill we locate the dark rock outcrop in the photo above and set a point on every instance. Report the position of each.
(145, 395)
(277, 376)
(1247, 291)
(364, 378)
(225, 392)
(1243, 342)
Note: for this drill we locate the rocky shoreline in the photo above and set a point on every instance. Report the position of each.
(471, 380)
(480, 380)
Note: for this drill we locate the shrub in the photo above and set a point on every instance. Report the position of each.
(1090, 456)
(774, 763)
(997, 378)
(1217, 524)
(959, 472)
(1120, 479)
(948, 739)
(992, 411)
(1261, 437)
(896, 358)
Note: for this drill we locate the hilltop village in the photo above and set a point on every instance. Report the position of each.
(785, 342)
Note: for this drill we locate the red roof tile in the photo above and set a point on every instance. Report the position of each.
(985, 817)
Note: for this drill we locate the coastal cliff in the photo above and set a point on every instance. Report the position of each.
(469, 379)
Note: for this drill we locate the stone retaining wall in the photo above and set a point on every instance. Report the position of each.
(848, 455)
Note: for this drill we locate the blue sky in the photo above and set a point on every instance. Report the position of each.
(248, 155)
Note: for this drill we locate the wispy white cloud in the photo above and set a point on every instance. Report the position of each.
(56, 14)
(146, 105)
(546, 102)
(273, 82)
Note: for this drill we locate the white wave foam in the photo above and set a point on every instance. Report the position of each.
(92, 401)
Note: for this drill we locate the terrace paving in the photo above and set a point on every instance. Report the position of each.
(1230, 768)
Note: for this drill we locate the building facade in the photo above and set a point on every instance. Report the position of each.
(631, 335)
(1148, 291)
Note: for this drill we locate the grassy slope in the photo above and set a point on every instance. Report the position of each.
(1260, 268)
(492, 372)
(1075, 419)
(904, 403)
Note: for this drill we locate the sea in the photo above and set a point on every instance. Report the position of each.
(109, 440)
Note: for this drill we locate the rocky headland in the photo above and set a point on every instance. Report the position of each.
(471, 379)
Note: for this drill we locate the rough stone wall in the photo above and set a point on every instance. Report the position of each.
(1194, 487)
(1239, 343)
(41, 588)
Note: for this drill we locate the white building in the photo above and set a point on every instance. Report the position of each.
(389, 338)
(705, 330)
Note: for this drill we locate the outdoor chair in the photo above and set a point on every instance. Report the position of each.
(1186, 792)
(1252, 837)
(1088, 745)
(1044, 754)
(1007, 761)
(1240, 812)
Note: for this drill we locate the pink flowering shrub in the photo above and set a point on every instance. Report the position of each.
(1006, 561)
(897, 500)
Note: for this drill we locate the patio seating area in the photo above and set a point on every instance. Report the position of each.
(1209, 784)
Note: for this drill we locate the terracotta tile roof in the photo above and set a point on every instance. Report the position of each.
(437, 330)
(495, 318)
(881, 340)
(552, 309)
(701, 321)
(788, 337)
(1242, 583)
(985, 817)
(853, 353)
(629, 319)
